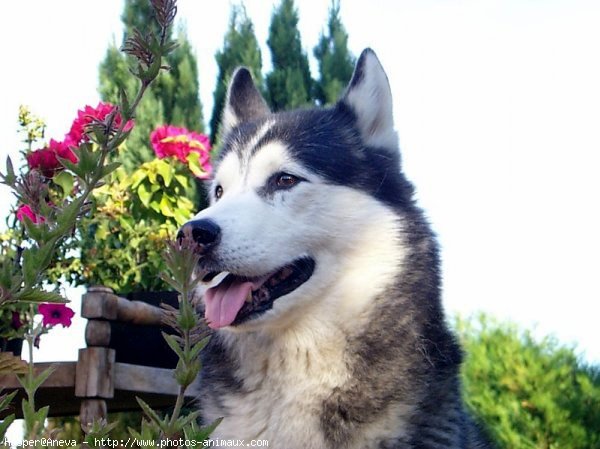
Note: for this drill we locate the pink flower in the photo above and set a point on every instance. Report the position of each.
(63, 150)
(53, 314)
(171, 141)
(25, 211)
(85, 116)
(46, 159)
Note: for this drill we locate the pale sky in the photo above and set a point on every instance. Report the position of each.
(497, 104)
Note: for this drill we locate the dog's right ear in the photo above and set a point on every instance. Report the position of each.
(369, 96)
(244, 102)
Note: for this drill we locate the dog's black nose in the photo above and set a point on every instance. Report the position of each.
(204, 232)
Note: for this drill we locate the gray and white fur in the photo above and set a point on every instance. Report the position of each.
(351, 349)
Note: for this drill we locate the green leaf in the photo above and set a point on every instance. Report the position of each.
(37, 231)
(195, 166)
(30, 266)
(120, 139)
(186, 373)
(36, 295)
(173, 344)
(172, 282)
(137, 177)
(65, 181)
(148, 411)
(42, 377)
(73, 168)
(6, 399)
(186, 420)
(42, 414)
(166, 171)
(180, 217)
(109, 168)
(199, 346)
(10, 178)
(88, 159)
(124, 103)
(144, 194)
(165, 206)
(45, 253)
(183, 180)
(193, 433)
(28, 412)
(4, 424)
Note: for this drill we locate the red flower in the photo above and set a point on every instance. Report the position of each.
(170, 141)
(63, 150)
(85, 116)
(46, 159)
(25, 211)
(53, 314)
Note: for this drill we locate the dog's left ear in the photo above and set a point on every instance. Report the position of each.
(369, 96)
(244, 102)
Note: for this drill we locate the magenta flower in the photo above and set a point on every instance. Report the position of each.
(53, 314)
(25, 211)
(171, 141)
(85, 116)
(46, 159)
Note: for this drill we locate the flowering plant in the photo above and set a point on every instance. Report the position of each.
(137, 212)
(189, 147)
(53, 194)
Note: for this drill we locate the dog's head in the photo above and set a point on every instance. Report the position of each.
(304, 205)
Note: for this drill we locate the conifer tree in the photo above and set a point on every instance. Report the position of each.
(240, 47)
(289, 85)
(334, 59)
(173, 99)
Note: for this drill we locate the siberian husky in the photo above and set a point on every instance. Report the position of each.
(322, 282)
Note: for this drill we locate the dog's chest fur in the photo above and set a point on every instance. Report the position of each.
(281, 386)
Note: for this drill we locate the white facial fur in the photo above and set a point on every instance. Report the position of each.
(346, 231)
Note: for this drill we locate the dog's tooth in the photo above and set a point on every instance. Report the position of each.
(249, 296)
(216, 280)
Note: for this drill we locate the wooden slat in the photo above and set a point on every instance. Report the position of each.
(101, 303)
(156, 386)
(62, 377)
(138, 312)
(148, 379)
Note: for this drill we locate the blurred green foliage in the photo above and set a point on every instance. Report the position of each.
(135, 215)
(529, 393)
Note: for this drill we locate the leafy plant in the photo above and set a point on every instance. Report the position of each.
(529, 393)
(53, 196)
(136, 213)
(181, 257)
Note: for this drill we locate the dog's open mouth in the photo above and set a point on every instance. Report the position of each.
(233, 299)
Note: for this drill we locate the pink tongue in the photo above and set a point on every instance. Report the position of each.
(223, 302)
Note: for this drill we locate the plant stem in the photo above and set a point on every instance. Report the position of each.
(186, 349)
(29, 379)
(178, 405)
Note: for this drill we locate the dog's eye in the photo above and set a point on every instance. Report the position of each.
(218, 192)
(285, 180)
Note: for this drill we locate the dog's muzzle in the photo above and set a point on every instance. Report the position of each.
(206, 233)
